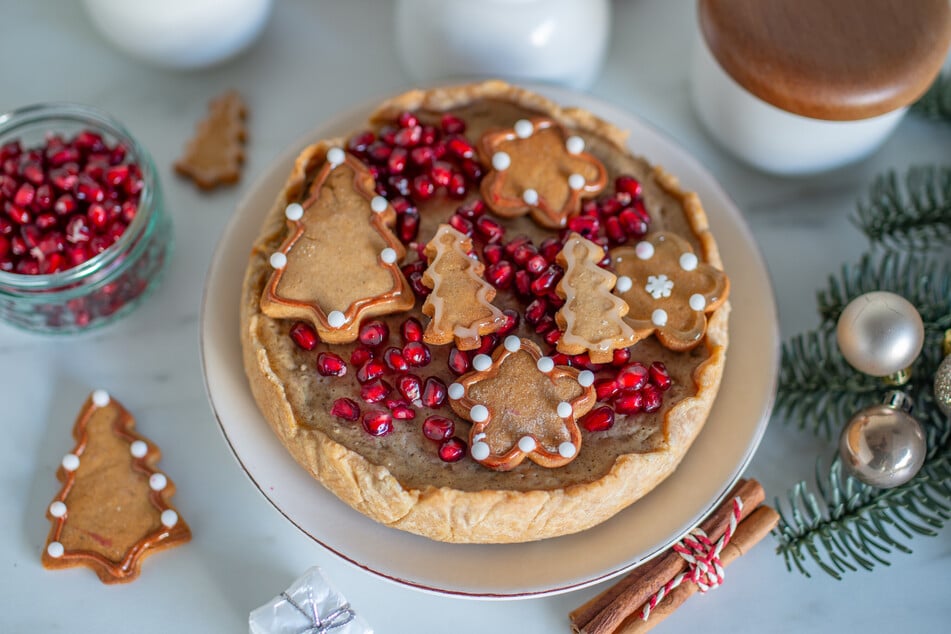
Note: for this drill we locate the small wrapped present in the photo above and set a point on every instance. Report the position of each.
(309, 606)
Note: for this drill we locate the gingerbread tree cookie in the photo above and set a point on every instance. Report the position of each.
(214, 155)
(461, 302)
(668, 289)
(522, 406)
(590, 319)
(340, 261)
(113, 508)
(536, 168)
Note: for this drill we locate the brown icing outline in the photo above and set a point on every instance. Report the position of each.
(580, 406)
(673, 336)
(401, 296)
(511, 207)
(128, 569)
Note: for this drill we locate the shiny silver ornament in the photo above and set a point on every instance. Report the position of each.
(880, 333)
(883, 445)
(942, 387)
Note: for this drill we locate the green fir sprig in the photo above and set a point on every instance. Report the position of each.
(909, 213)
(936, 103)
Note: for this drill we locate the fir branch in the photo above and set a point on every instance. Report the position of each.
(915, 214)
(936, 103)
(848, 525)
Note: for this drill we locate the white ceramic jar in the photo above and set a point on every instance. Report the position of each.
(556, 41)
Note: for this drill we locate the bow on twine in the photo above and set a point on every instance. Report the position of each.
(338, 618)
(703, 560)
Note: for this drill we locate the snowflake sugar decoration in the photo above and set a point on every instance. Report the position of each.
(659, 286)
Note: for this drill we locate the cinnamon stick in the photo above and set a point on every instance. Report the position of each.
(605, 612)
(748, 533)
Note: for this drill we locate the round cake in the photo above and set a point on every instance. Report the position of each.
(481, 319)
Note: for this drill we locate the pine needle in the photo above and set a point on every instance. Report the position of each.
(936, 103)
(913, 213)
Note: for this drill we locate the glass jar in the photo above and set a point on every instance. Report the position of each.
(114, 279)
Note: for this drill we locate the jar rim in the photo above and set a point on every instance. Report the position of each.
(87, 115)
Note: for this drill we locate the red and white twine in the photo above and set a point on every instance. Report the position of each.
(703, 560)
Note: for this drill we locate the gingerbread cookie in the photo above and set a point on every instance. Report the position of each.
(551, 190)
(590, 319)
(461, 302)
(113, 508)
(340, 261)
(215, 154)
(522, 406)
(669, 291)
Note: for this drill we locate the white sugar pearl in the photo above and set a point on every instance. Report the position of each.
(55, 550)
(335, 156)
(158, 481)
(659, 317)
(336, 319)
(574, 145)
(524, 128)
(456, 391)
(482, 362)
(545, 364)
(479, 451)
(100, 398)
(388, 255)
(479, 413)
(70, 462)
(698, 302)
(688, 261)
(379, 204)
(623, 284)
(644, 250)
(530, 196)
(512, 343)
(169, 518)
(564, 409)
(478, 437)
(138, 449)
(501, 161)
(527, 444)
(57, 509)
(576, 181)
(278, 260)
(294, 212)
(586, 378)
(567, 450)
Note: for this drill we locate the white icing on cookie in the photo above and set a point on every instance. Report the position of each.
(278, 260)
(388, 255)
(564, 409)
(138, 449)
(659, 317)
(586, 378)
(70, 462)
(574, 145)
(479, 413)
(527, 444)
(698, 302)
(512, 343)
(482, 362)
(57, 509)
(567, 450)
(524, 128)
(336, 319)
(576, 182)
(644, 250)
(501, 161)
(55, 550)
(335, 156)
(456, 391)
(169, 518)
(623, 284)
(545, 364)
(688, 261)
(530, 196)
(294, 212)
(479, 450)
(100, 398)
(158, 481)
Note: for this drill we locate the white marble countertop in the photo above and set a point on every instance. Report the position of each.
(314, 60)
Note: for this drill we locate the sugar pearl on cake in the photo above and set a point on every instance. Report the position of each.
(278, 260)
(456, 391)
(294, 212)
(388, 255)
(697, 302)
(501, 161)
(157, 481)
(169, 518)
(564, 409)
(482, 362)
(623, 284)
(335, 156)
(138, 449)
(55, 550)
(530, 196)
(479, 413)
(574, 145)
(70, 462)
(336, 319)
(512, 343)
(644, 250)
(688, 261)
(527, 444)
(576, 182)
(659, 317)
(586, 378)
(479, 450)
(100, 398)
(524, 128)
(567, 450)
(57, 509)
(545, 364)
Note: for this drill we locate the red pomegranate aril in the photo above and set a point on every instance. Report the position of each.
(377, 423)
(65, 205)
(89, 190)
(452, 124)
(554, 301)
(545, 324)
(549, 248)
(472, 209)
(536, 264)
(487, 344)
(452, 450)
(7, 264)
(407, 119)
(458, 361)
(78, 254)
(523, 283)
(116, 175)
(415, 280)
(375, 391)
(610, 206)
(535, 311)
(6, 226)
(410, 387)
(547, 280)
(49, 244)
(28, 266)
(55, 263)
(472, 170)
(653, 398)
(399, 185)
(329, 364)
(358, 144)
(372, 369)
(407, 225)
(374, 333)
(429, 137)
(460, 224)
(411, 330)
(438, 428)
(24, 195)
(434, 392)
(552, 336)
(99, 244)
(633, 376)
(632, 222)
(360, 355)
(129, 209)
(460, 147)
(621, 357)
(18, 215)
(560, 358)
(18, 246)
(489, 229)
(614, 231)
(98, 216)
(346, 409)
(492, 253)
(304, 335)
(629, 403)
(628, 185)
(456, 188)
(423, 187)
(46, 221)
(598, 419)
(408, 137)
(440, 173)
(43, 200)
(422, 156)
(659, 376)
(89, 141)
(523, 253)
(396, 163)
(512, 319)
(379, 152)
(4, 246)
(587, 226)
(394, 360)
(606, 389)
(402, 411)
(500, 274)
(417, 354)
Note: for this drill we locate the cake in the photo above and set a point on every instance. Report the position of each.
(481, 319)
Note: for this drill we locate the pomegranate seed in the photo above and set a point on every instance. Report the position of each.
(372, 369)
(628, 185)
(116, 175)
(523, 284)
(358, 144)
(610, 206)
(374, 333)
(407, 225)
(489, 229)
(545, 324)
(6, 227)
(535, 311)
(43, 200)
(584, 362)
(456, 188)
(500, 274)
(415, 280)
(375, 390)
(452, 450)
(129, 209)
(346, 409)
(547, 280)
(396, 163)
(28, 266)
(511, 322)
(360, 355)
(472, 170)
(24, 195)
(388, 134)
(487, 344)
(629, 403)
(98, 216)
(460, 147)
(614, 230)
(423, 187)
(554, 301)
(438, 428)
(89, 190)
(429, 136)
(653, 398)
(377, 423)
(65, 205)
(633, 376)
(549, 248)
(78, 254)
(452, 124)
(402, 411)
(407, 119)
(492, 253)
(440, 173)
(18, 215)
(523, 253)
(417, 354)
(394, 360)
(536, 264)
(329, 364)
(379, 152)
(53, 264)
(598, 419)
(458, 361)
(424, 156)
(560, 358)
(632, 222)
(411, 330)
(621, 356)
(659, 376)
(552, 337)
(606, 388)
(410, 386)
(4, 246)
(471, 210)
(18, 246)
(409, 136)
(46, 221)
(434, 392)
(587, 226)
(460, 224)
(304, 336)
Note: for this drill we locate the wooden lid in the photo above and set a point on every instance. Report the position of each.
(830, 59)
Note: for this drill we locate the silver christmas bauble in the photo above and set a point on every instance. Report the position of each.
(880, 333)
(883, 445)
(942, 386)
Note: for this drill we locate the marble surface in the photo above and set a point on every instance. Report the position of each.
(314, 60)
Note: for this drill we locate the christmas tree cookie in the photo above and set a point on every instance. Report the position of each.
(215, 154)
